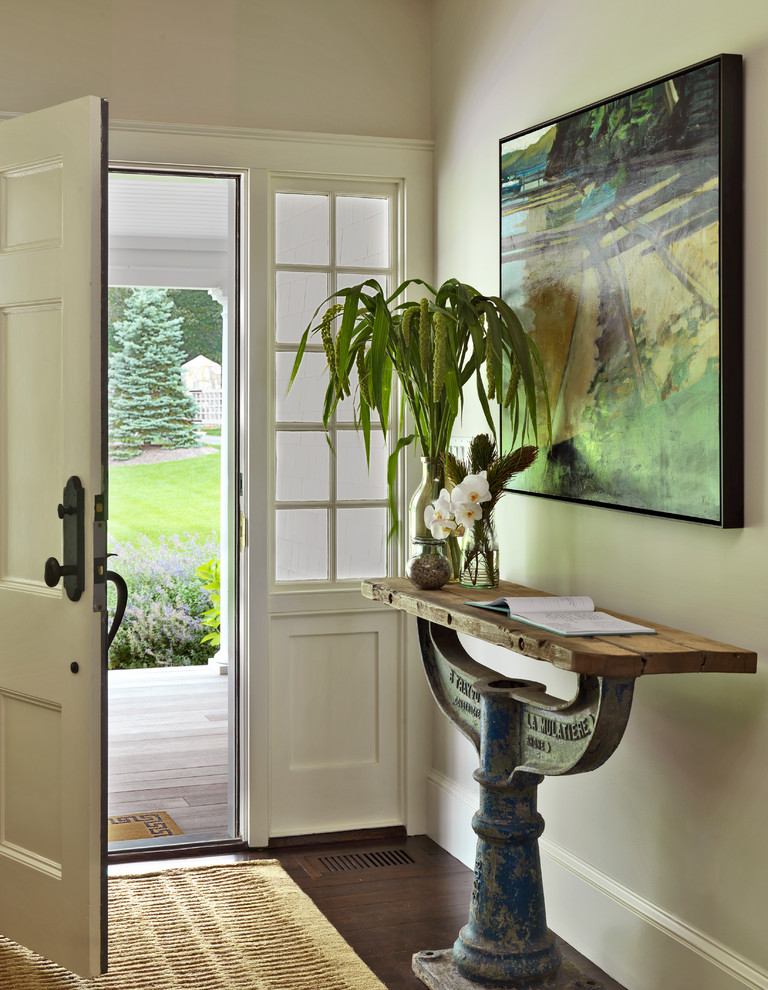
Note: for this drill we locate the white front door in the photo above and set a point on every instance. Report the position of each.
(52, 170)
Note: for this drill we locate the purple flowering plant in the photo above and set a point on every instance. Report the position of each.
(163, 624)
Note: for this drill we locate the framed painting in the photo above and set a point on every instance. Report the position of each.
(621, 252)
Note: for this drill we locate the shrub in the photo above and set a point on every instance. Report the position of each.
(210, 575)
(163, 625)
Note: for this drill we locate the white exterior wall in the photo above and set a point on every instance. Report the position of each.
(654, 865)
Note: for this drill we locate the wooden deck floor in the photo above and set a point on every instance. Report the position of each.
(168, 746)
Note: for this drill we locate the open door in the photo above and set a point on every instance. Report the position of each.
(52, 632)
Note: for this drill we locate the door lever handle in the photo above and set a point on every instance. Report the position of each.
(71, 511)
(122, 599)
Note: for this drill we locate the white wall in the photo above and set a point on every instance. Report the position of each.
(655, 865)
(341, 66)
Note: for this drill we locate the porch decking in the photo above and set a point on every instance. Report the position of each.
(168, 745)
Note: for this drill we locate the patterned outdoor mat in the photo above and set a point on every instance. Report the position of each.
(144, 825)
(244, 926)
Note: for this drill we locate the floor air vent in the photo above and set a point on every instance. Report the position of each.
(333, 863)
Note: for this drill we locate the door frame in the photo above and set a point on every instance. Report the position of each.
(257, 154)
(232, 468)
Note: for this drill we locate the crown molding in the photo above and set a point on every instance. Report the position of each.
(265, 134)
(259, 134)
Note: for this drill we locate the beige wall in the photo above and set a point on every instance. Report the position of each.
(338, 66)
(656, 864)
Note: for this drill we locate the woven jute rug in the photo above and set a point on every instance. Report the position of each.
(142, 825)
(245, 926)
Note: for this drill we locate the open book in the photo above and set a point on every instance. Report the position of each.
(566, 616)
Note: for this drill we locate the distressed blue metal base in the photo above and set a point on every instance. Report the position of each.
(437, 970)
(521, 734)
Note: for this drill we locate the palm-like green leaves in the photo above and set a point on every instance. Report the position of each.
(434, 348)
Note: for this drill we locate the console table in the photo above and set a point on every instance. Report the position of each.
(522, 734)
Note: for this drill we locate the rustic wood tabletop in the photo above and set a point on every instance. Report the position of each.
(668, 651)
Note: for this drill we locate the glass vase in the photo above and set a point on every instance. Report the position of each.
(429, 567)
(432, 481)
(425, 494)
(480, 555)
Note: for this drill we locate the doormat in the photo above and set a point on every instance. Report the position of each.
(144, 825)
(244, 926)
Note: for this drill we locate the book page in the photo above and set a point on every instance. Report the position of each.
(568, 623)
(560, 603)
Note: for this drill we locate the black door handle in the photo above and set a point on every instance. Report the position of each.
(122, 599)
(71, 511)
(54, 571)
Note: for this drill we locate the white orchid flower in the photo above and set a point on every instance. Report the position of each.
(438, 516)
(443, 501)
(467, 512)
(474, 488)
(442, 528)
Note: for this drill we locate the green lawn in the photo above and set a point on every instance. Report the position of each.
(166, 498)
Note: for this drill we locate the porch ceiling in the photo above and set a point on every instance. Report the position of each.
(170, 231)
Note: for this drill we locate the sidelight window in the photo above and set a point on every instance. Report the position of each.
(331, 512)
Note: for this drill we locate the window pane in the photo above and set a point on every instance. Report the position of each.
(302, 467)
(344, 280)
(301, 544)
(362, 232)
(353, 479)
(304, 403)
(361, 543)
(345, 412)
(298, 294)
(301, 229)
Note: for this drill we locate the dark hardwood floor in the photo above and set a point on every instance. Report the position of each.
(389, 898)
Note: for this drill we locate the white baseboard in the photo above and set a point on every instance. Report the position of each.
(450, 808)
(634, 940)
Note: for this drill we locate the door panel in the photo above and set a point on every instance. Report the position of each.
(53, 649)
(334, 748)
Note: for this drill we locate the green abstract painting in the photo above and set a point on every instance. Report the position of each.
(616, 223)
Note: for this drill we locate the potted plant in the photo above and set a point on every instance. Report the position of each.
(434, 348)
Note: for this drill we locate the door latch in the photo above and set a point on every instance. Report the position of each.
(71, 511)
(243, 532)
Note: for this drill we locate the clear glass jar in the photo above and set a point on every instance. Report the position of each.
(429, 567)
(480, 555)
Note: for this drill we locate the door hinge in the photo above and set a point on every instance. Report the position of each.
(243, 532)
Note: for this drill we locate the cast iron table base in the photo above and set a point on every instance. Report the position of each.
(522, 734)
(438, 971)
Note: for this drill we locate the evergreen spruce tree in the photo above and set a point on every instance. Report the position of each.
(148, 402)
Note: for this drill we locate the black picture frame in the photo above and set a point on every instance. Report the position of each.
(621, 228)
